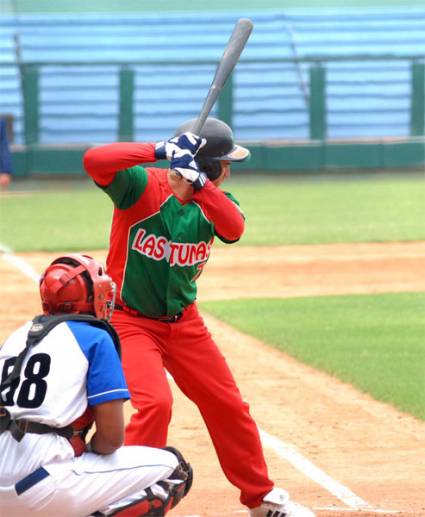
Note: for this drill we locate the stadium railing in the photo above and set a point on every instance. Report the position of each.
(310, 89)
(66, 112)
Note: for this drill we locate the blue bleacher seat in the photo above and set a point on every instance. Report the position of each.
(80, 103)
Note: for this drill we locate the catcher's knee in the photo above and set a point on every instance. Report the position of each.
(181, 479)
(164, 495)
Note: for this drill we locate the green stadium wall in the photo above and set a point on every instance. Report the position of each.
(317, 154)
(267, 158)
(107, 6)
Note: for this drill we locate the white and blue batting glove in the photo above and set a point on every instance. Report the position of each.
(184, 164)
(186, 141)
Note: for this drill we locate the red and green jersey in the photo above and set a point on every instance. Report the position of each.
(158, 246)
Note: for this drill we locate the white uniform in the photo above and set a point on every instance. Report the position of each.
(74, 366)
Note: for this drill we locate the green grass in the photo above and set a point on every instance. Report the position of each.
(54, 221)
(278, 211)
(375, 343)
(314, 211)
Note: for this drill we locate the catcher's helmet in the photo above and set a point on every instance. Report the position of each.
(77, 284)
(220, 146)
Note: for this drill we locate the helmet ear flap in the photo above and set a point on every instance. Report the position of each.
(211, 167)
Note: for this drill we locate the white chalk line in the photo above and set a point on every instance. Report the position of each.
(286, 451)
(296, 459)
(315, 508)
(352, 510)
(293, 456)
(23, 266)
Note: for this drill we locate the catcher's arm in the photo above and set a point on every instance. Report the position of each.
(109, 420)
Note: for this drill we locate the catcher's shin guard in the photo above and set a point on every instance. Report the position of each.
(162, 496)
(180, 481)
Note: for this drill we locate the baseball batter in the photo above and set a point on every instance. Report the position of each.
(164, 225)
(59, 373)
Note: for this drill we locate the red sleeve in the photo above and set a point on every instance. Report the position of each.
(102, 163)
(222, 211)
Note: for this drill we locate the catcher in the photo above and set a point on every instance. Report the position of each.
(164, 224)
(59, 373)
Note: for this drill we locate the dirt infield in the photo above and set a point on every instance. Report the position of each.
(350, 454)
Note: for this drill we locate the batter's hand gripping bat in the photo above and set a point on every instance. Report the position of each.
(230, 57)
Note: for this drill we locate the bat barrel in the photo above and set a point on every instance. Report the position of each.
(230, 57)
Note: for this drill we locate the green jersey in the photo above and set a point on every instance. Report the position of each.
(158, 245)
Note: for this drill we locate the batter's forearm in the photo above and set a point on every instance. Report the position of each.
(228, 220)
(103, 162)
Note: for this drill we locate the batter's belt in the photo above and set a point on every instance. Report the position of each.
(137, 314)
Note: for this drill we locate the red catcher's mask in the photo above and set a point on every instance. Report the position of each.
(77, 284)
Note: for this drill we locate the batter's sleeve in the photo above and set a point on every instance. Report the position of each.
(127, 187)
(223, 211)
(115, 168)
(104, 162)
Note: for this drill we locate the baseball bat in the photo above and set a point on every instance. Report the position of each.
(227, 63)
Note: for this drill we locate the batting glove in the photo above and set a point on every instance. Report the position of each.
(186, 141)
(184, 164)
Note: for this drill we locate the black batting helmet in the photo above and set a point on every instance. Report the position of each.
(220, 146)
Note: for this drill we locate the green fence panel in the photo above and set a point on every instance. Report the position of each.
(57, 162)
(126, 111)
(404, 154)
(353, 155)
(317, 106)
(417, 100)
(30, 87)
(315, 154)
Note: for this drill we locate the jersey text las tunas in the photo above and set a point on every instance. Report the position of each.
(158, 245)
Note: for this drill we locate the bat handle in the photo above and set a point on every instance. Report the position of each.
(199, 124)
(208, 104)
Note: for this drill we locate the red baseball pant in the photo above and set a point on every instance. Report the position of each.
(186, 349)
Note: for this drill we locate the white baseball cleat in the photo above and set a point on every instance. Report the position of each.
(278, 504)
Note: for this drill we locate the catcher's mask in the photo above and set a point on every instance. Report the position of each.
(77, 284)
(220, 146)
